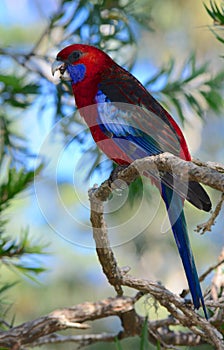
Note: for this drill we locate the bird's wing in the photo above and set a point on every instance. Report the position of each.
(141, 127)
(140, 111)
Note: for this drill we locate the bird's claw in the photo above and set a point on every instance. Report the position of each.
(114, 182)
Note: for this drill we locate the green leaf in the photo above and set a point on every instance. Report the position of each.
(17, 181)
(118, 344)
(135, 191)
(21, 255)
(29, 89)
(175, 101)
(16, 103)
(215, 12)
(158, 346)
(7, 286)
(189, 88)
(12, 81)
(144, 343)
(25, 270)
(14, 84)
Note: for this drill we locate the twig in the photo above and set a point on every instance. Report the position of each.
(212, 165)
(206, 273)
(178, 308)
(218, 280)
(206, 226)
(72, 317)
(82, 340)
(212, 268)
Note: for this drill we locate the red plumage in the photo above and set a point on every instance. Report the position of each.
(131, 124)
(101, 68)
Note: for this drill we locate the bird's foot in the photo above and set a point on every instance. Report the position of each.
(114, 182)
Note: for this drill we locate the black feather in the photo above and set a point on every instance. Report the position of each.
(191, 191)
(198, 196)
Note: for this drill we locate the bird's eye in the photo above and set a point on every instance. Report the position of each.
(74, 56)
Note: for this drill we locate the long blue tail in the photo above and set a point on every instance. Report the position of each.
(174, 205)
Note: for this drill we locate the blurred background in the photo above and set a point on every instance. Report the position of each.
(169, 47)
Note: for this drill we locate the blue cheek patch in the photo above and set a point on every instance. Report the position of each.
(77, 72)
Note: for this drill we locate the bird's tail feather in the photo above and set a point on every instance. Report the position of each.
(174, 205)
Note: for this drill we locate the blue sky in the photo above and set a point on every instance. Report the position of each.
(24, 12)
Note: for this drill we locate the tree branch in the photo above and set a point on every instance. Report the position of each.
(82, 340)
(104, 252)
(42, 330)
(206, 226)
(198, 330)
(73, 317)
(207, 174)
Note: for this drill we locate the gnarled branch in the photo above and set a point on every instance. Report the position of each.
(205, 173)
(198, 330)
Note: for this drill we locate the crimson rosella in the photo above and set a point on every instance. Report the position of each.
(127, 123)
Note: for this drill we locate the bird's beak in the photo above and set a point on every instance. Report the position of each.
(61, 67)
(58, 66)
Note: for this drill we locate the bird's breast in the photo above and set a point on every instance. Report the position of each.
(108, 146)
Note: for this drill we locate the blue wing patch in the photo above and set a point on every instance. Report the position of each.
(125, 125)
(117, 123)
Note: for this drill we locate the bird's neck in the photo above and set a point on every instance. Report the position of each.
(85, 93)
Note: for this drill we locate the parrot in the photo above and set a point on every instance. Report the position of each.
(128, 123)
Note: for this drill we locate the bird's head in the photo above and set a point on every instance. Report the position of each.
(76, 62)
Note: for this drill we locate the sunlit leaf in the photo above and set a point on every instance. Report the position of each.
(193, 87)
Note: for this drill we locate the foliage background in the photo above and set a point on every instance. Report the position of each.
(174, 53)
